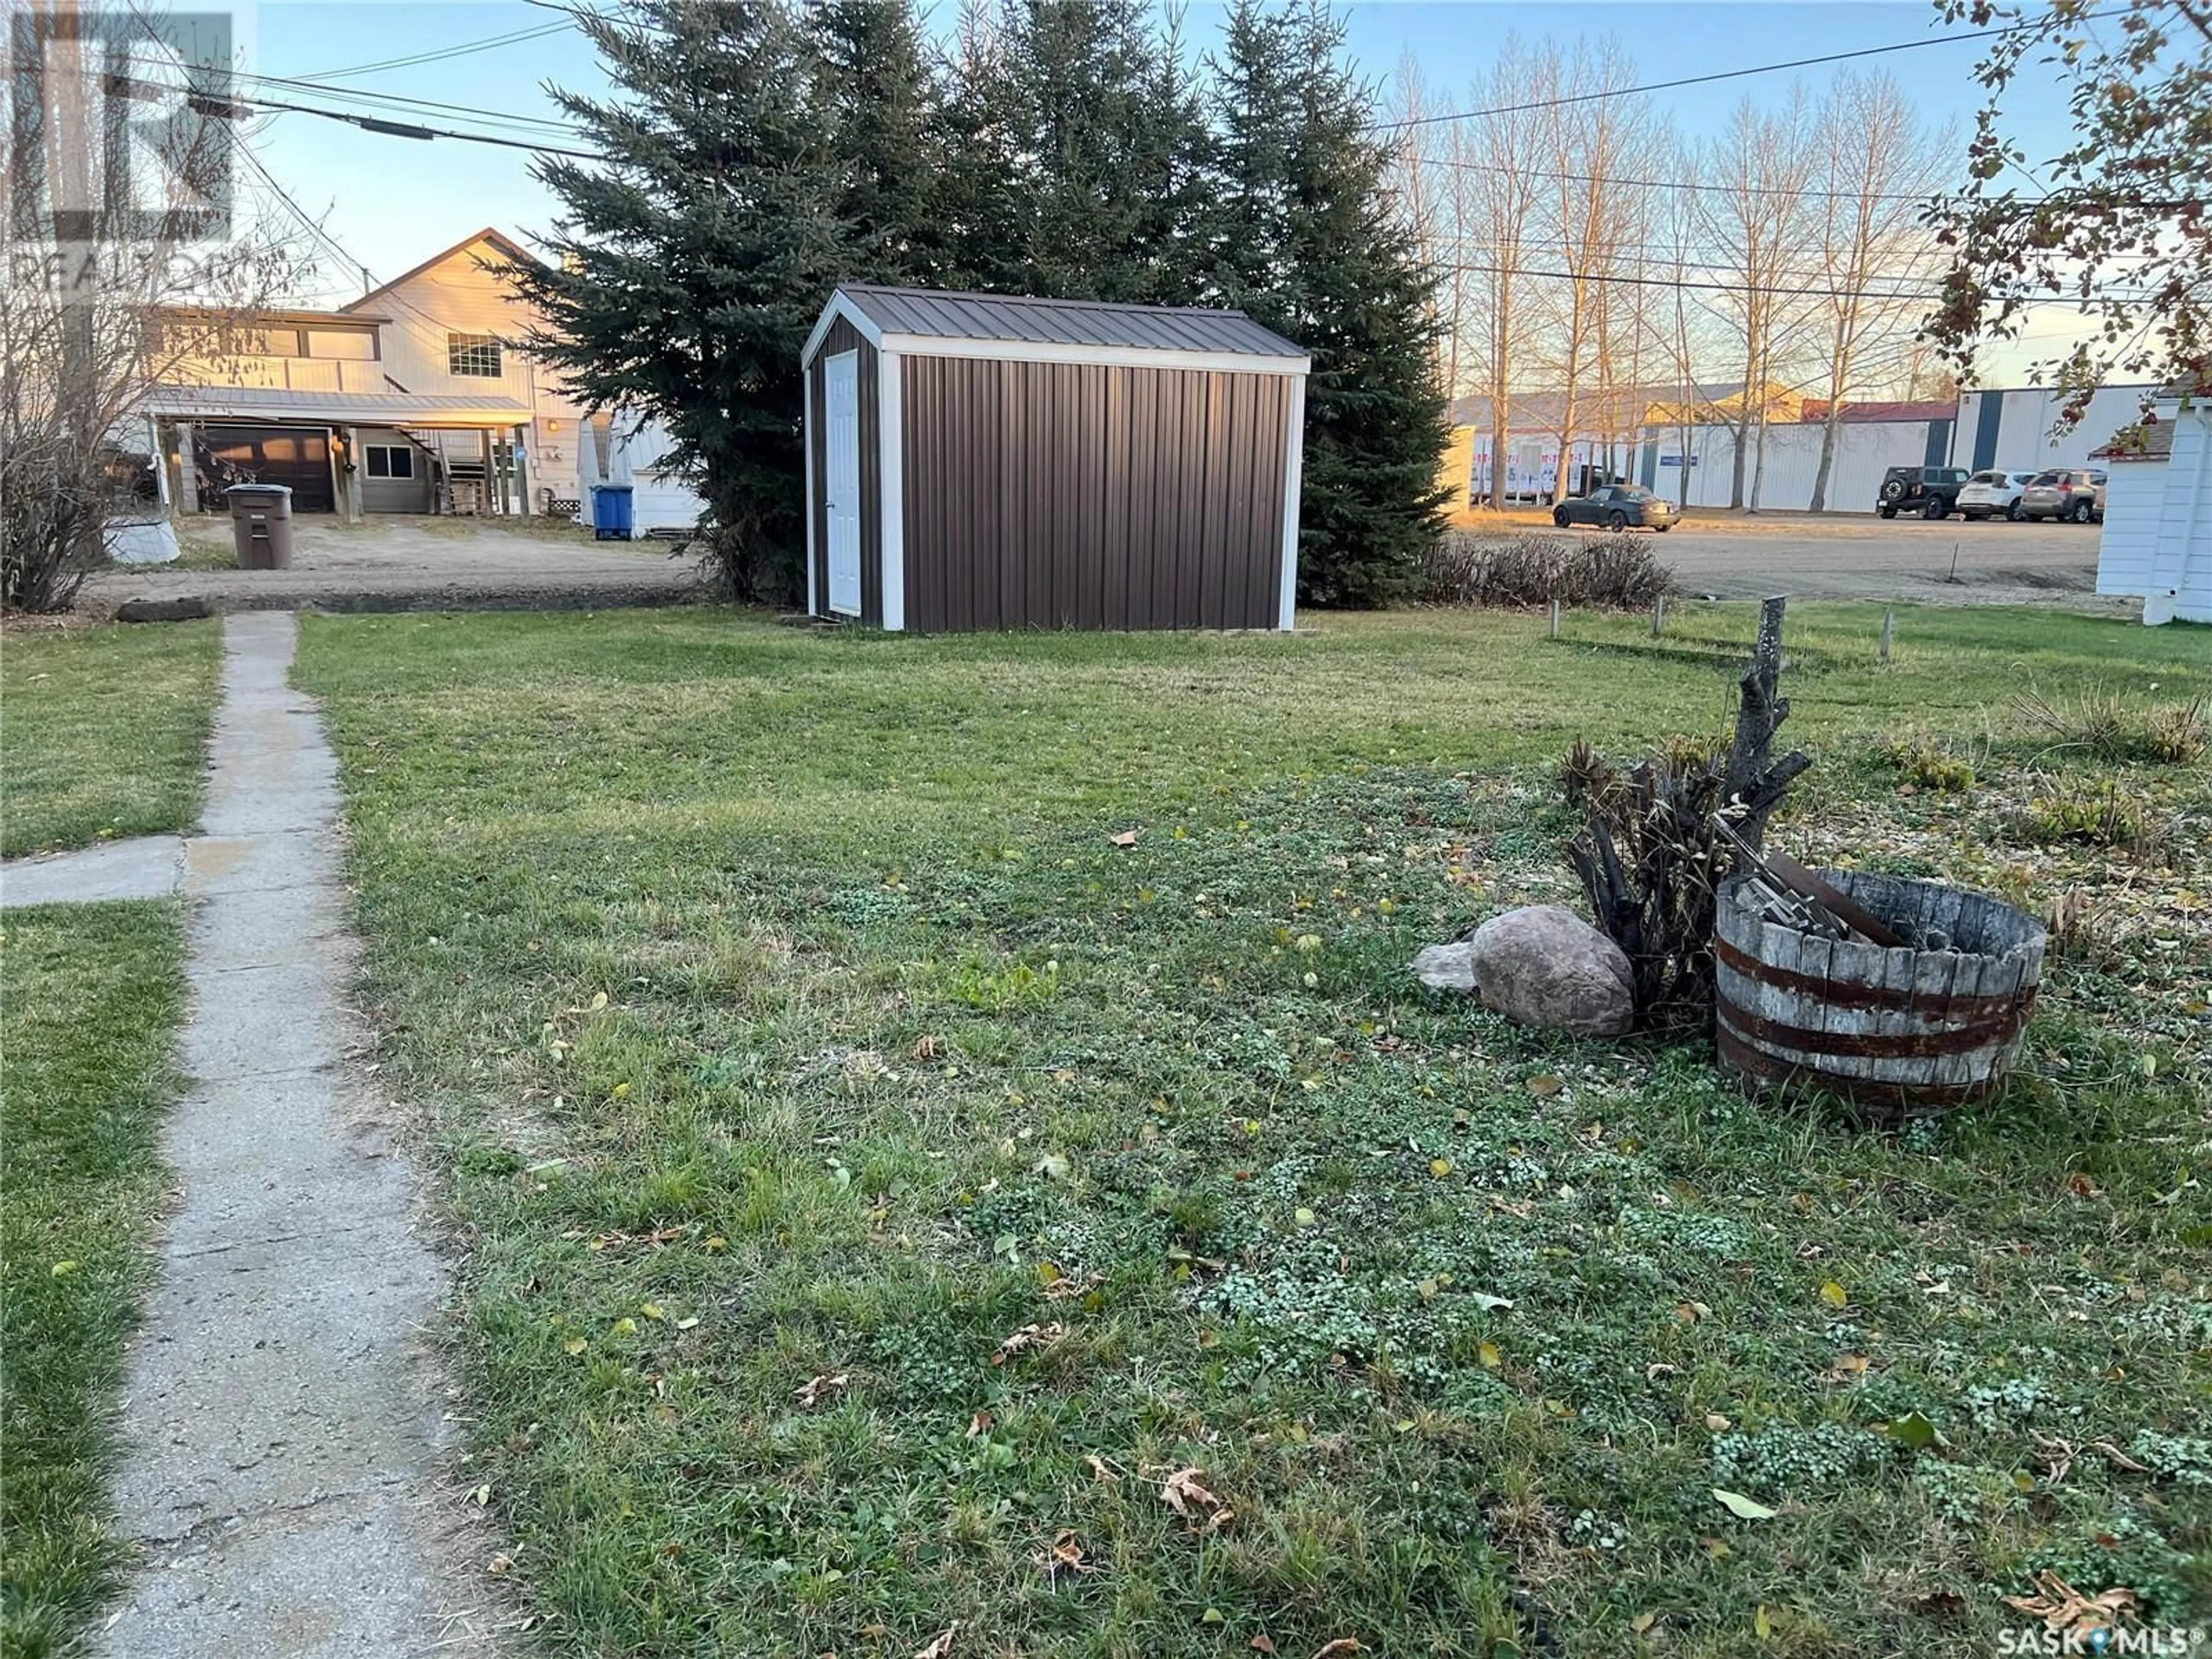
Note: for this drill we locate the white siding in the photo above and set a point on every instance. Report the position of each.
(456, 296)
(2158, 521)
(1865, 450)
(2135, 498)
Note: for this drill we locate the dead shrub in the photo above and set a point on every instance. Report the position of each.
(1519, 573)
(2101, 723)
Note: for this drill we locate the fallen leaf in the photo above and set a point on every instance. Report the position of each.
(1715, 1548)
(1184, 1491)
(1488, 1303)
(689, 1322)
(1030, 1336)
(1101, 1470)
(980, 1424)
(1915, 1431)
(1342, 1644)
(1747, 1508)
(819, 1389)
(1835, 1295)
(1260, 1643)
(942, 1647)
(575, 1345)
(1847, 1366)
(1127, 838)
(925, 1047)
(1304, 1217)
(1762, 1623)
(1440, 1167)
(1543, 1085)
(1656, 1369)
(62, 1269)
(499, 1564)
(1716, 1423)
(1065, 1554)
(1642, 1621)
(1488, 1354)
(2062, 1607)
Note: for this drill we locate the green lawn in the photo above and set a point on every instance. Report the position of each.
(92, 995)
(888, 1197)
(101, 730)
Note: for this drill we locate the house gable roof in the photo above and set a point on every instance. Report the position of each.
(929, 321)
(505, 245)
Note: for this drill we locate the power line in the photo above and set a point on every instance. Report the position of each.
(463, 50)
(242, 109)
(1602, 93)
(1459, 165)
(1779, 290)
(383, 99)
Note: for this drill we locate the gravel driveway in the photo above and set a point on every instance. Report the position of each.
(413, 563)
(1950, 562)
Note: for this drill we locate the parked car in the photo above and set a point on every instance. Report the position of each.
(1617, 507)
(2074, 493)
(1930, 491)
(1989, 495)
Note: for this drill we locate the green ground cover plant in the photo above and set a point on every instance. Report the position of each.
(92, 995)
(101, 730)
(943, 1140)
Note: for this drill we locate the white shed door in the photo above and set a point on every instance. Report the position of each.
(842, 380)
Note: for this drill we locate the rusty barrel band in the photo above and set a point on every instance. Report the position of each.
(1853, 994)
(1865, 1091)
(1878, 1045)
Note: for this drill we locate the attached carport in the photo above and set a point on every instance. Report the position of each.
(313, 441)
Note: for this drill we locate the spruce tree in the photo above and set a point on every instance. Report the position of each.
(1306, 239)
(1100, 170)
(875, 100)
(689, 264)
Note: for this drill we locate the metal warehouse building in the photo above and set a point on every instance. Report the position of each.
(983, 461)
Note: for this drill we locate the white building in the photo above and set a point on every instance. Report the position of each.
(2011, 428)
(2157, 543)
(409, 399)
(1696, 466)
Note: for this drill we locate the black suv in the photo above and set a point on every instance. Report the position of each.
(1930, 491)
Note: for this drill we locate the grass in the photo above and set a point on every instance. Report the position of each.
(92, 994)
(881, 1188)
(101, 730)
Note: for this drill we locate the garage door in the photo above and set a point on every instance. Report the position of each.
(296, 456)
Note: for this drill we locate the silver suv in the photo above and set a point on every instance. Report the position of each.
(2076, 493)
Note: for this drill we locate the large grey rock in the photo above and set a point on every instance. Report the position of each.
(1446, 966)
(1540, 965)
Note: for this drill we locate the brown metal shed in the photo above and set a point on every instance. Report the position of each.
(982, 461)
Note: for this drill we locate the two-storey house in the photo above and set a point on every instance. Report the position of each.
(409, 399)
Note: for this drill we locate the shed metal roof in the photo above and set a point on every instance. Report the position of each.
(929, 313)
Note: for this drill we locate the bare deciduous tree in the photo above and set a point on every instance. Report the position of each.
(104, 298)
(1878, 163)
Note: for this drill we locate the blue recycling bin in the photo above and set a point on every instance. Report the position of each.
(611, 511)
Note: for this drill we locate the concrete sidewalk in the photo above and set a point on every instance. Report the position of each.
(283, 1410)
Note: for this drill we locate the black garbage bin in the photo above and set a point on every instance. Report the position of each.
(261, 525)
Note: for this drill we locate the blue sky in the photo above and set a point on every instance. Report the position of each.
(391, 202)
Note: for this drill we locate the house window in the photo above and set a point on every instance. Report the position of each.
(391, 461)
(474, 354)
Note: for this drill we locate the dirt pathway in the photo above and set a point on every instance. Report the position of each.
(285, 1423)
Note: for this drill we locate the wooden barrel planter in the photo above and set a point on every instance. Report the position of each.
(1896, 1032)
